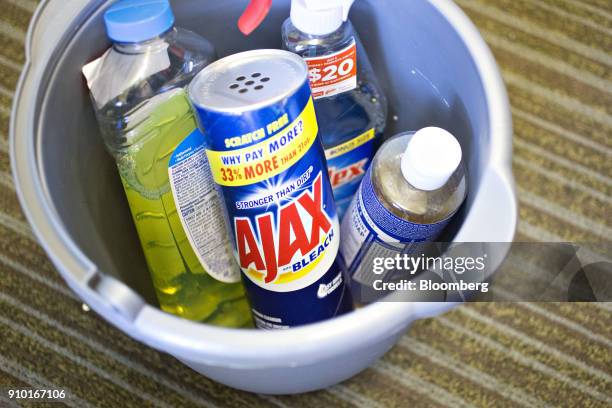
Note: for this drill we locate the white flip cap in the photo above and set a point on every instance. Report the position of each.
(431, 157)
(319, 17)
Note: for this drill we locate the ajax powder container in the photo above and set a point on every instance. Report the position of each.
(149, 127)
(265, 154)
(351, 107)
(414, 186)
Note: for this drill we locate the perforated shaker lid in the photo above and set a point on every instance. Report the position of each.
(431, 157)
(248, 80)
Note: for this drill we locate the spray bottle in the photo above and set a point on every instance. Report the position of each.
(350, 105)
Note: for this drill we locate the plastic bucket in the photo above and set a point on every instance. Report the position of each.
(436, 70)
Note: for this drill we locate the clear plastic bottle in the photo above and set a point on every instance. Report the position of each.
(351, 107)
(149, 127)
(415, 185)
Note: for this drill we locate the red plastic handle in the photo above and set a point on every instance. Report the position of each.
(253, 15)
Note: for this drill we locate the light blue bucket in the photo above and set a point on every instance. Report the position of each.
(436, 70)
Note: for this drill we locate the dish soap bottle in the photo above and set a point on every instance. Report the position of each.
(415, 185)
(149, 127)
(350, 105)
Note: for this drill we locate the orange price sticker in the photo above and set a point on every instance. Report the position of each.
(333, 74)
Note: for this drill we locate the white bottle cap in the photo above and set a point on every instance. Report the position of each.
(431, 157)
(319, 17)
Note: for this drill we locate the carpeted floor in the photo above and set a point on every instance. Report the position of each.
(556, 59)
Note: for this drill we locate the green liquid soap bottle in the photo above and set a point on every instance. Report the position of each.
(149, 127)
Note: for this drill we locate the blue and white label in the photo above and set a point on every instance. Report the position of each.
(270, 168)
(199, 208)
(370, 231)
(347, 163)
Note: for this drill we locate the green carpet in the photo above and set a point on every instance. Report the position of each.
(556, 60)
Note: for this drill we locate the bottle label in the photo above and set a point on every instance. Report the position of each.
(347, 163)
(334, 73)
(280, 202)
(371, 231)
(199, 208)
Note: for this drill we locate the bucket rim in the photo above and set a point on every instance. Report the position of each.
(214, 345)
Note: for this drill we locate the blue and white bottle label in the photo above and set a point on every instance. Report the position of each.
(370, 231)
(347, 163)
(199, 208)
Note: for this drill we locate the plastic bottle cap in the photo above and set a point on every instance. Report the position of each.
(319, 17)
(138, 20)
(431, 157)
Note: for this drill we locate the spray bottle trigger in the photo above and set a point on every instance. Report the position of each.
(253, 15)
